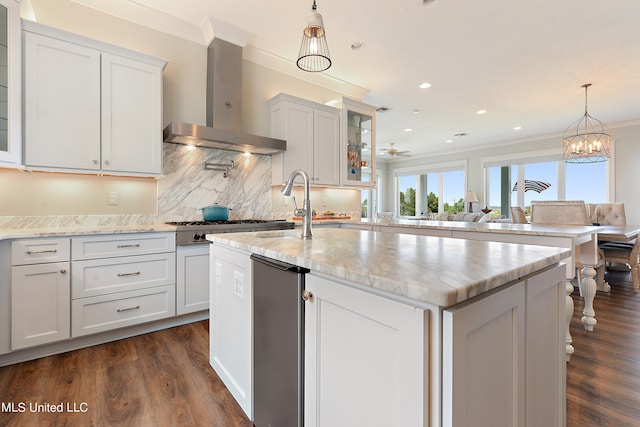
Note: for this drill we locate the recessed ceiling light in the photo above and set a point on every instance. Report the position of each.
(425, 85)
(357, 46)
(416, 111)
(449, 141)
(481, 112)
(517, 128)
(408, 130)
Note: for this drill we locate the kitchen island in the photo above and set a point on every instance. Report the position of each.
(412, 330)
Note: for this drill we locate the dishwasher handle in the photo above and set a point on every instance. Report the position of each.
(280, 265)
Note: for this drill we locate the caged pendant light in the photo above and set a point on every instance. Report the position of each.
(587, 140)
(314, 51)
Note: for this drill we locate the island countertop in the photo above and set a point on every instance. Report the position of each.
(422, 269)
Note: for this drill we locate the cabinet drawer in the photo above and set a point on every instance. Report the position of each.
(110, 275)
(115, 245)
(106, 312)
(38, 251)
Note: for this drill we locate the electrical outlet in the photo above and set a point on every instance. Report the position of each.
(112, 198)
(238, 284)
(218, 273)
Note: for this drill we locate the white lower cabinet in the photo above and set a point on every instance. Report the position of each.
(40, 291)
(495, 360)
(40, 298)
(121, 280)
(364, 359)
(230, 324)
(503, 356)
(105, 312)
(192, 279)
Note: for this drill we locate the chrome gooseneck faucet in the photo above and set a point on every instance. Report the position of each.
(306, 212)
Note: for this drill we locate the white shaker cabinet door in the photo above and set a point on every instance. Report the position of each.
(40, 304)
(61, 104)
(364, 359)
(483, 379)
(326, 148)
(131, 115)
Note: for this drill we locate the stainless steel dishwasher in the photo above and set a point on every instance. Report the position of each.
(278, 342)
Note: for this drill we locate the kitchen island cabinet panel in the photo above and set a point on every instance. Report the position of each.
(363, 358)
(484, 360)
(231, 320)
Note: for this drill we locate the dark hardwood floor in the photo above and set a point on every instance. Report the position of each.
(603, 376)
(158, 379)
(164, 378)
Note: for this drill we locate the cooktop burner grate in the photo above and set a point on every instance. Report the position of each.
(222, 222)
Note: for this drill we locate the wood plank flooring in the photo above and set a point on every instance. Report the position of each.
(164, 378)
(603, 376)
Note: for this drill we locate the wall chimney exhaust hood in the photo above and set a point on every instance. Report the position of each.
(224, 109)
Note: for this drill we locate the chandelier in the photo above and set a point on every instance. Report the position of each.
(314, 51)
(586, 140)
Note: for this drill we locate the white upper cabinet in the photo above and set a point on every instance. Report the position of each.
(312, 132)
(10, 85)
(90, 106)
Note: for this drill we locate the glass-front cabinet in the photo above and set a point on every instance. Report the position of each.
(10, 84)
(358, 144)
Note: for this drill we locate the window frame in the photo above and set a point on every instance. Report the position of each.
(541, 156)
(426, 169)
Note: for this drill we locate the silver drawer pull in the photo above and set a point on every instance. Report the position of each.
(135, 273)
(46, 251)
(120, 310)
(133, 245)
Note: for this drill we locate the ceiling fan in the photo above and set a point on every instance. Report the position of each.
(393, 152)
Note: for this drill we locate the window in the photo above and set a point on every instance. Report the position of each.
(548, 178)
(433, 188)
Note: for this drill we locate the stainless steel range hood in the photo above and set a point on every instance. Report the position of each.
(224, 109)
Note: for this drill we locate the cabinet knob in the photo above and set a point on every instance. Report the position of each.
(63, 271)
(106, 162)
(307, 295)
(95, 162)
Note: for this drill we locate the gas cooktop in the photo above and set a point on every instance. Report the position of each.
(194, 232)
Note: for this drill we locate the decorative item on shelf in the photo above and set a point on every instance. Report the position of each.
(314, 51)
(486, 210)
(470, 198)
(586, 140)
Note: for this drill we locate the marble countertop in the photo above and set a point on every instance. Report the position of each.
(21, 233)
(493, 227)
(422, 269)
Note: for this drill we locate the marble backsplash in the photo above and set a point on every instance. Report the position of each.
(183, 190)
(187, 187)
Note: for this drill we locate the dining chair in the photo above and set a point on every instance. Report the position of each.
(607, 213)
(627, 255)
(567, 212)
(518, 215)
